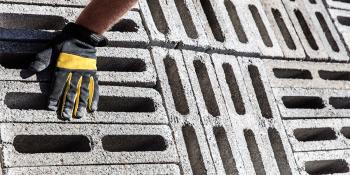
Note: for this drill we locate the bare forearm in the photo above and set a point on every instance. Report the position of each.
(100, 15)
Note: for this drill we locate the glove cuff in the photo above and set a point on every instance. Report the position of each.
(84, 34)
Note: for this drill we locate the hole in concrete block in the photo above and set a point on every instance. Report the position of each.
(125, 25)
(314, 134)
(176, 86)
(235, 20)
(158, 16)
(283, 28)
(327, 32)
(33, 144)
(326, 166)
(193, 150)
(16, 61)
(334, 75)
(345, 1)
(292, 73)
(306, 30)
(312, 1)
(254, 152)
(225, 151)
(212, 20)
(234, 89)
(120, 64)
(26, 101)
(206, 88)
(279, 152)
(260, 92)
(29, 21)
(186, 19)
(340, 102)
(133, 143)
(344, 20)
(346, 132)
(261, 26)
(303, 102)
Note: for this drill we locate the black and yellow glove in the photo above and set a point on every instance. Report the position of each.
(75, 84)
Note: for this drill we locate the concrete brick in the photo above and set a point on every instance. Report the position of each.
(324, 162)
(283, 29)
(117, 66)
(26, 102)
(338, 4)
(312, 103)
(340, 18)
(216, 121)
(167, 27)
(181, 107)
(307, 74)
(318, 134)
(100, 169)
(326, 30)
(40, 22)
(305, 28)
(52, 144)
(262, 117)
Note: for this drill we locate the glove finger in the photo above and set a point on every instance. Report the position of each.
(81, 105)
(42, 60)
(94, 94)
(61, 79)
(70, 96)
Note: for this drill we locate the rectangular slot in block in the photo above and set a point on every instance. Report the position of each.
(292, 73)
(133, 143)
(254, 152)
(306, 30)
(303, 102)
(327, 32)
(327, 166)
(186, 19)
(213, 21)
(236, 21)
(158, 16)
(32, 21)
(279, 152)
(283, 28)
(261, 26)
(314, 134)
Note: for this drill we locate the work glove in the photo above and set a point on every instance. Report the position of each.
(75, 84)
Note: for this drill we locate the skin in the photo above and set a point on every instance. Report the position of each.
(100, 15)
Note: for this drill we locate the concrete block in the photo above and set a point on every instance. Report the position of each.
(99, 169)
(318, 134)
(341, 21)
(262, 120)
(173, 24)
(26, 102)
(190, 138)
(324, 162)
(312, 103)
(40, 23)
(327, 31)
(307, 74)
(225, 145)
(336, 4)
(305, 29)
(80, 144)
(116, 66)
(283, 29)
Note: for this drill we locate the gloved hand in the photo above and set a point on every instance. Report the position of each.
(75, 84)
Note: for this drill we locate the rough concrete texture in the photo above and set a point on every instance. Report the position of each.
(340, 18)
(336, 4)
(52, 144)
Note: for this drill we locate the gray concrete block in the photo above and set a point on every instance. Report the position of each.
(327, 31)
(117, 66)
(336, 4)
(318, 134)
(97, 169)
(340, 19)
(308, 74)
(312, 103)
(173, 24)
(263, 119)
(80, 144)
(190, 138)
(39, 23)
(305, 29)
(283, 29)
(26, 102)
(224, 143)
(324, 162)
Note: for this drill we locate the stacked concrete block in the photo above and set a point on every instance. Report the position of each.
(283, 28)
(102, 170)
(338, 4)
(341, 20)
(173, 24)
(261, 119)
(46, 19)
(27, 145)
(181, 107)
